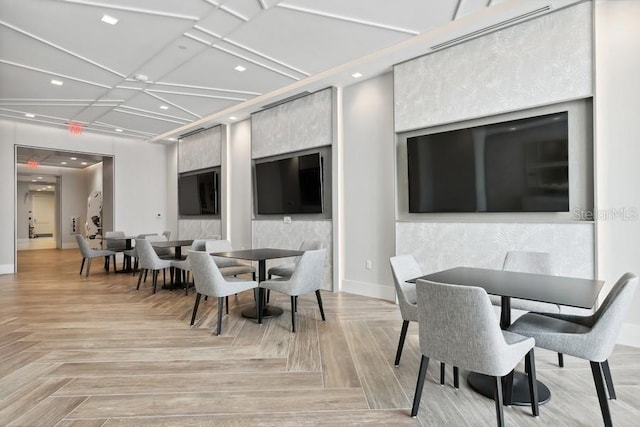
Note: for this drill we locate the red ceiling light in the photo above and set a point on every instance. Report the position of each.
(75, 128)
(32, 164)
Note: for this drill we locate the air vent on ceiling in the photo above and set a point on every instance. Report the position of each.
(491, 28)
(287, 99)
(190, 133)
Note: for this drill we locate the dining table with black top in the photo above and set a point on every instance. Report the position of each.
(565, 291)
(177, 248)
(260, 255)
(126, 267)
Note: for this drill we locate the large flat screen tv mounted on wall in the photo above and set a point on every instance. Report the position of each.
(289, 186)
(514, 166)
(199, 193)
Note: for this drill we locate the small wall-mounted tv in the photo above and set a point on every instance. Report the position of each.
(513, 166)
(199, 193)
(289, 186)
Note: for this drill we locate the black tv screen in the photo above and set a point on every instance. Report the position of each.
(515, 166)
(198, 193)
(289, 186)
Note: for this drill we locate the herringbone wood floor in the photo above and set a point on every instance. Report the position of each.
(95, 352)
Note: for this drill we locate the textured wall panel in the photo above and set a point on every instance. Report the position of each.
(200, 151)
(542, 61)
(277, 234)
(199, 228)
(439, 246)
(296, 125)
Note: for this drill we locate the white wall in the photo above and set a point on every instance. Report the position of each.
(368, 150)
(237, 163)
(23, 206)
(140, 187)
(94, 178)
(617, 105)
(172, 189)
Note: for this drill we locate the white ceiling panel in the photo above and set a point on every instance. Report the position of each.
(148, 104)
(200, 105)
(91, 114)
(138, 122)
(246, 9)
(172, 57)
(220, 22)
(59, 112)
(192, 8)
(469, 7)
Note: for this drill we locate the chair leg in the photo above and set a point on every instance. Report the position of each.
(456, 377)
(145, 275)
(293, 313)
(319, 298)
(508, 388)
(596, 370)
(561, 360)
(258, 296)
(497, 396)
(115, 269)
(88, 268)
(403, 335)
(608, 379)
(139, 279)
(422, 373)
(220, 307)
(226, 302)
(530, 361)
(442, 373)
(195, 309)
(154, 278)
(82, 265)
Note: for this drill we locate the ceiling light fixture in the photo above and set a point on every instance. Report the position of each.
(31, 116)
(63, 163)
(39, 177)
(33, 180)
(118, 130)
(233, 118)
(49, 186)
(240, 68)
(83, 163)
(356, 75)
(141, 77)
(73, 158)
(164, 107)
(56, 82)
(109, 20)
(172, 139)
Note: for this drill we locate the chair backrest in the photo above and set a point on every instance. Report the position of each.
(221, 246)
(309, 272)
(148, 258)
(457, 326)
(405, 267)
(167, 234)
(85, 250)
(528, 262)
(206, 276)
(608, 319)
(115, 244)
(159, 238)
(308, 245)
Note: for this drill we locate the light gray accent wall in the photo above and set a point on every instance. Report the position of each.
(441, 245)
(542, 61)
(293, 126)
(199, 229)
(238, 173)
(368, 146)
(200, 151)
(277, 234)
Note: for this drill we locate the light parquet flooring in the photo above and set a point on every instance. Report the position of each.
(85, 352)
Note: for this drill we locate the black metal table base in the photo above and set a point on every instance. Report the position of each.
(267, 312)
(484, 385)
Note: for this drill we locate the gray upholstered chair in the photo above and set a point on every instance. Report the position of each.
(306, 278)
(133, 253)
(162, 252)
(535, 263)
(286, 270)
(228, 266)
(89, 254)
(209, 282)
(167, 234)
(184, 267)
(118, 246)
(405, 267)
(587, 337)
(457, 325)
(149, 260)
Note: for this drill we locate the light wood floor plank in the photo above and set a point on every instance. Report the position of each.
(48, 412)
(304, 353)
(338, 368)
(27, 397)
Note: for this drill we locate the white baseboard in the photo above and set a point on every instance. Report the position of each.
(629, 335)
(372, 290)
(7, 269)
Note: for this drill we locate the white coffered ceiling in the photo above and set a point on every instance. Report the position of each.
(168, 65)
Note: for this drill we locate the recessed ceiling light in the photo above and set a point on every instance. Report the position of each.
(118, 130)
(233, 118)
(356, 75)
(73, 158)
(83, 163)
(141, 77)
(29, 115)
(39, 189)
(172, 139)
(63, 163)
(33, 180)
(39, 177)
(240, 68)
(164, 107)
(49, 186)
(56, 82)
(513, 128)
(109, 20)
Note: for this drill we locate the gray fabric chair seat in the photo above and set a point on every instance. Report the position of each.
(283, 270)
(527, 305)
(149, 260)
(237, 269)
(89, 254)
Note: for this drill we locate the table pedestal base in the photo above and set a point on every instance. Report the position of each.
(267, 312)
(484, 385)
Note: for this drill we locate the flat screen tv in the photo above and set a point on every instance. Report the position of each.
(289, 186)
(514, 166)
(198, 193)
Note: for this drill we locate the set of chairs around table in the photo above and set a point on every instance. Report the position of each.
(457, 326)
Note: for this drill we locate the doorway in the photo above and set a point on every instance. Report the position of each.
(37, 211)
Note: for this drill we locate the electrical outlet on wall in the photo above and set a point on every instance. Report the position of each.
(287, 220)
(368, 264)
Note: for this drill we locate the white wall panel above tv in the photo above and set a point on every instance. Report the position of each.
(200, 151)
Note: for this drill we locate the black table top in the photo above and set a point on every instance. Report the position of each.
(259, 254)
(171, 243)
(119, 238)
(561, 290)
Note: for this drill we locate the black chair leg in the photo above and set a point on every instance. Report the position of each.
(293, 313)
(422, 373)
(226, 302)
(596, 370)
(195, 309)
(403, 335)
(82, 265)
(154, 278)
(608, 379)
(497, 396)
(319, 298)
(507, 388)
(456, 377)
(115, 267)
(139, 279)
(88, 268)
(220, 307)
(442, 373)
(258, 292)
(530, 362)
(561, 360)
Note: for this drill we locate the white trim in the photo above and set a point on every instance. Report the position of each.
(372, 290)
(629, 335)
(7, 269)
